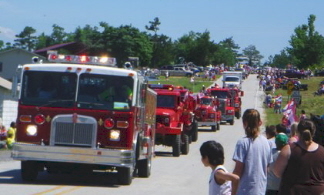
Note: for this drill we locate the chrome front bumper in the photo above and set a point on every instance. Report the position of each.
(109, 157)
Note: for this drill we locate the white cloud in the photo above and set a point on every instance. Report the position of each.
(7, 34)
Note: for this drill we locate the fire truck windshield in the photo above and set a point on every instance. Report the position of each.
(59, 89)
(41, 88)
(166, 101)
(206, 101)
(105, 92)
(219, 94)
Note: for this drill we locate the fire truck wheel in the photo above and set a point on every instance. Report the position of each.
(185, 144)
(125, 175)
(194, 131)
(231, 122)
(218, 126)
(213, 127)
(238, 115)
(144, 167)
(29, 170)
(176, 145)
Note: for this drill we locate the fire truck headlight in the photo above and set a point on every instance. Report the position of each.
(167, 120)
(114, 135)
(237, 105)
(31, 130)
(230, 111)
(212, 116)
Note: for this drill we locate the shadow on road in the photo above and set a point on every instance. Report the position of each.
(95, 179)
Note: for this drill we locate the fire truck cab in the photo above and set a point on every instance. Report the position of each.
(226, 105)
(207, 112)
(76, 117)
(170, 120)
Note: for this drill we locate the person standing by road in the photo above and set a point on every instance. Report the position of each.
(301, 164)
(221, 181)
(252, 156)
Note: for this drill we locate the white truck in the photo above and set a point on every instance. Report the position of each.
(232, 79)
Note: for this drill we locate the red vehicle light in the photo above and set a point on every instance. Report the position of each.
(25, 118)
(53, 57)
(68, 58)
(39, 119)
(109, 123)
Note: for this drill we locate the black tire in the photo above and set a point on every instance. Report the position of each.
(231, 122)
(185, 144)
(176, 145)
(29, 170)
(125, 176)
(194, 131)
(218, 126)
(144, 167)
(213, 127)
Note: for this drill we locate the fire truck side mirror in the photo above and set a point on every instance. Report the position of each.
(242, 93)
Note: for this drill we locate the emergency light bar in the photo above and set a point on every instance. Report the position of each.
(83, 59)
(161, 86)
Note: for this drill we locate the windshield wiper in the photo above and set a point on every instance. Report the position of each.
(53, 102)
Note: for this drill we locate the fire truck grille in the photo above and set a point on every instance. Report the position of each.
(79, 134)
(222, 105)
(67, 133)
(159, 119)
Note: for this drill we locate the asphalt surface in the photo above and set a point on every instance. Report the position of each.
(5, 155)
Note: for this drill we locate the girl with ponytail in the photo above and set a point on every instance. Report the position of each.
(252, 156)
(301, 164)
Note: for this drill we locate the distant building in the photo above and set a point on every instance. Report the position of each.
(11, 59)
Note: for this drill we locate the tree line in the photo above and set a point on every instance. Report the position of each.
(154, 50)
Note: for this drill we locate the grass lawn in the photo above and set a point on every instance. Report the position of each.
(185, 81)
(310, 104)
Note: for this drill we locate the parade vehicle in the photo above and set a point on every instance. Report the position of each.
(236, 100)
(171, 117)
(232, 79)
(77, 117)
(189, 101)
(207, 112)
(226, 103)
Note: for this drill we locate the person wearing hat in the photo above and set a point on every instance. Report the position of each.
(273, 182)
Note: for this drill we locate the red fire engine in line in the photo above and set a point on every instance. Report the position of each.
(236, 95)
(207, 112)
(190, 102)
(170, 119)
(226, 105)
(76, 117)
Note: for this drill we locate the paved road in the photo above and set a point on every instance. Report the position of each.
(170, 175)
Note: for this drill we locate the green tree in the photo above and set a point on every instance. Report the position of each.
(307, 45)
(253, 54)
(161, 45)
(154, 25)
(26, 39)
(281, 60)
(127, 41)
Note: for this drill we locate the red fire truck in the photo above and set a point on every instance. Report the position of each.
(190, 102)
(226, 105)
(170, 119)
(77, 117)
(236, 95)
(207, 112)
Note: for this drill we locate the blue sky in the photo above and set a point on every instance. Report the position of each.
(266, 24)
